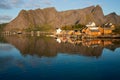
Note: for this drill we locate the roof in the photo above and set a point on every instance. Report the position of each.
(94, 30)
(90, 24)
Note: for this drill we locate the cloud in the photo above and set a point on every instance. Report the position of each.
(16, 3)
(9, 4)
(4, 5)
(47, 2)
(31, 4)
(5, 18)
(38, 3)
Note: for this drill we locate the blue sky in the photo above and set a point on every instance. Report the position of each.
(9, 9)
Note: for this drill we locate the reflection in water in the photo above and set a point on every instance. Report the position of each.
(42, 58)
(95, 42)
(86, 42)
(45, 46)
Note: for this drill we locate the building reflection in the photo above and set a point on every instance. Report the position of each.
(86, 42)
(96, 42)
(50, 47)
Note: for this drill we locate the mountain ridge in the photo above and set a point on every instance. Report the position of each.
(50, 17)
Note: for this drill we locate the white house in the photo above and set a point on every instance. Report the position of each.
(58, 31)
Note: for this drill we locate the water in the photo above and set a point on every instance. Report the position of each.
(42, 58)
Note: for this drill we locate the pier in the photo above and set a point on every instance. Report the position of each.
(32, 33)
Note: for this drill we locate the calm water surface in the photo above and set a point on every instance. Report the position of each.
(42, 58)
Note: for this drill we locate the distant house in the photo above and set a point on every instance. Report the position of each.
(71, 32)
(93, 30)
(58, 31)
(74, 32)
(77, 32)
(107, 28)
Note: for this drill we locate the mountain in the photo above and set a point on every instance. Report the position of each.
(50, 18)
(113, 17)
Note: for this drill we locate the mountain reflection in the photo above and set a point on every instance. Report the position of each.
(50, 47)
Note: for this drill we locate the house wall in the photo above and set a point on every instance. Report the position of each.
(95, 33)
(101, 31)
(107, 31)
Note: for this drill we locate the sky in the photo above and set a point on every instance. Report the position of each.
(9, 9)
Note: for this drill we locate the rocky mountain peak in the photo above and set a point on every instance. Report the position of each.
(98, 6)
(50, 8)
(113, 13)
(113, 18)
(53, 18)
